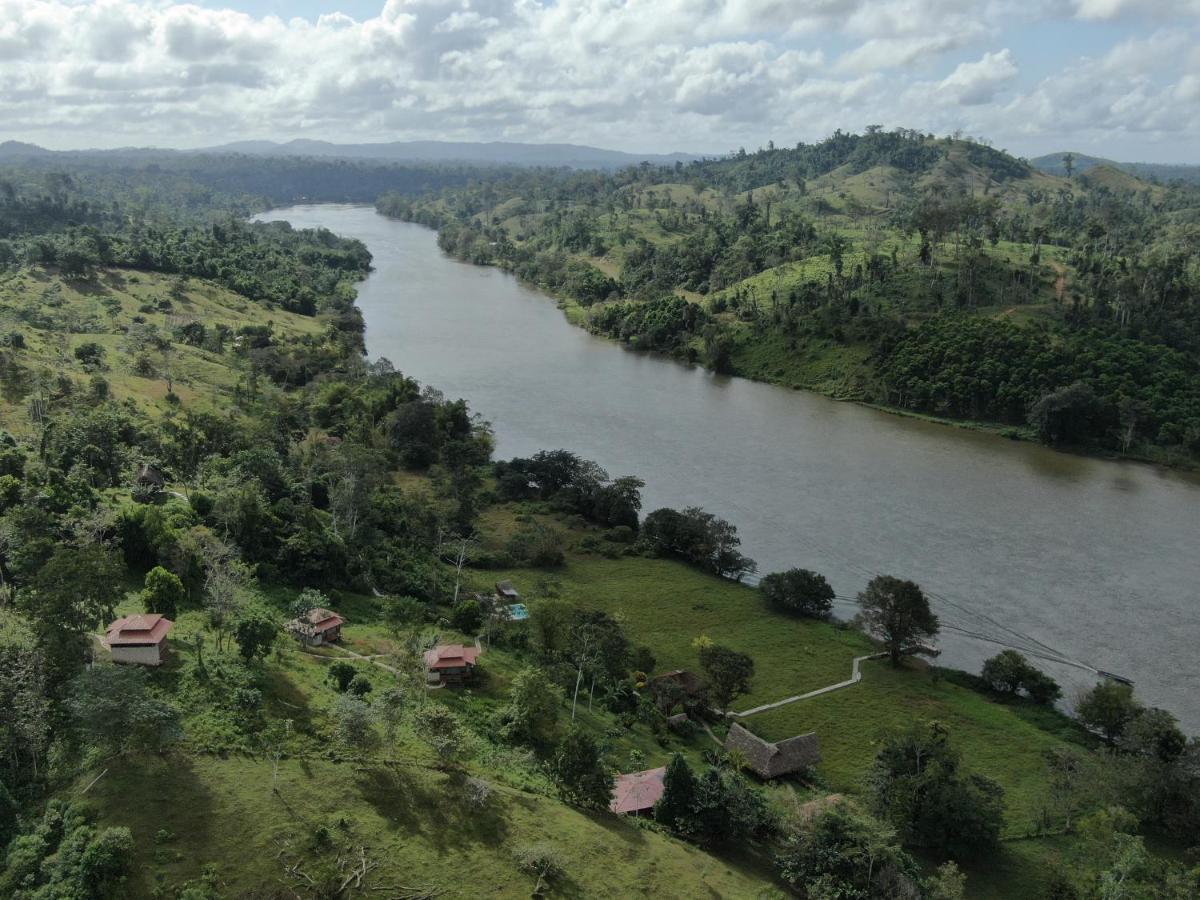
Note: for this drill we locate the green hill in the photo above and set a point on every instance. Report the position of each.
(886, 267)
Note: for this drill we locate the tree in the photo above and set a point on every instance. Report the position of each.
(360, 685)
(674, 807)
(917, 785)
(73, 593)
(390, 704)
(441, 730)
(225, 578)
(844, 853)
(1009, 672)
(1065, 415)
(467, 616)
(114, 707)
(543, 861)
(799, 592)
(1005, 672)
(274, 739)
(25, 713)
(1108, 708)
(1068, 161)
(947, 883)
(1041, 688)
(580, 771)
(1154, 733)
(163, 592)
(727, 808)
(728, 672)
(254, 633)
(309, 599)
(354, 721)
(896, 612)
(90, 354)
(341, 674)
(531, 716)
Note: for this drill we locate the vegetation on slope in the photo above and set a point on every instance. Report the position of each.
(287, 473)
(875, 267)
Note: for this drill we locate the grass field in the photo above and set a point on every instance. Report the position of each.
(667, 605)
(54, 316)
(415, 821)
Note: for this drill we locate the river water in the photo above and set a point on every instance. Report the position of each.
(1093, 561)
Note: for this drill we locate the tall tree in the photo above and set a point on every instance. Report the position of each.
(728, 672)
(897, 612)
(674, 808)
(72, 594)
(580, 770)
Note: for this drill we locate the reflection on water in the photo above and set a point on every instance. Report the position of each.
(1093, 559)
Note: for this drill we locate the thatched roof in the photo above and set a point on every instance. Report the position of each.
(772, 760)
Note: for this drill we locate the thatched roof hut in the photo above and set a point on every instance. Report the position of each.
(773, 760)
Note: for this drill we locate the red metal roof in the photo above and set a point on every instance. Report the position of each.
(147, 628)
(451, 656)
(637, 791)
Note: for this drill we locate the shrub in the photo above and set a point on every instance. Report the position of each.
(467, 616)
(798, 592)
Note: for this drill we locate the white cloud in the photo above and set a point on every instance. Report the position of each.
(1107, 10)
(978, 82)
(646, 74)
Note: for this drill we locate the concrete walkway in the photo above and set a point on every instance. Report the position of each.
(855, 678)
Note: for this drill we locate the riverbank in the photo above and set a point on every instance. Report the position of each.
(846, 362)
(835, 487)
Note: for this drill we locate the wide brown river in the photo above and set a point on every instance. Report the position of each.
(1089, 561)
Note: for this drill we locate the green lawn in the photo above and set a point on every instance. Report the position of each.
(415, 821)
(666, 605)
(996, 739)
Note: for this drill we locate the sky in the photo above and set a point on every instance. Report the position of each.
(1115, 78)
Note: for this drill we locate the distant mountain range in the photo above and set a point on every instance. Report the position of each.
(574, 156)
(496, 153)
(1052, 164)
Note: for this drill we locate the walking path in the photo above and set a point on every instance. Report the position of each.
(373, 660)
(855, 678)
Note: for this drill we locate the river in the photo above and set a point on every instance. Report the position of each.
(1094, 561)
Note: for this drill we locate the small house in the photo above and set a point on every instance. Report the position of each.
(451, 663)
(506, 593)
(773, 760)
(149, 477)
(140, 639)
(637, 792)
(318, 626)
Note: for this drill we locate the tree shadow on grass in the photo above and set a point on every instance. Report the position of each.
(433, 805)
(286, 701)
(153, 794)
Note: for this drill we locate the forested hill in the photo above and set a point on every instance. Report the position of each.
(184, 185)
(934, 275)
(1058, 163)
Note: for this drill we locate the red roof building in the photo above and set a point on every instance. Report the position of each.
(318, 626)
(451, 662)
(637, 792)
(140, 639)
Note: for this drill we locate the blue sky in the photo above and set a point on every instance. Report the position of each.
(1117, 78)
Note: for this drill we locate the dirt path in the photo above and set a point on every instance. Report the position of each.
(1060, 283)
